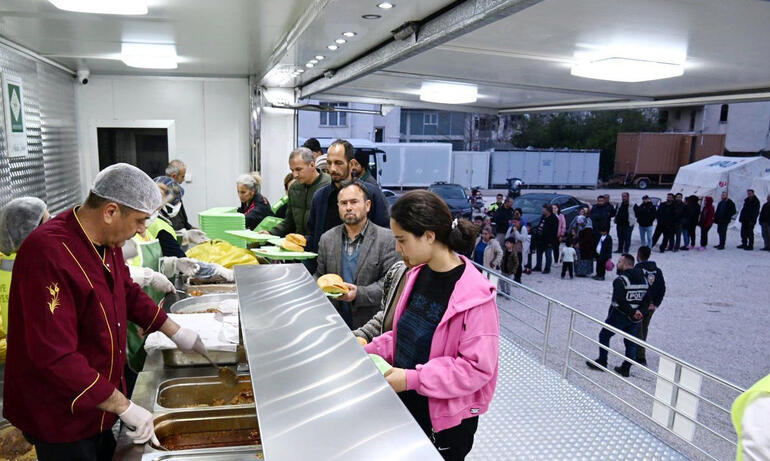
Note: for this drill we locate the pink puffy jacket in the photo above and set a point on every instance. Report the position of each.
(460, 376)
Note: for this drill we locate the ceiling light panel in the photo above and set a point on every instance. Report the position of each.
(385, 5)
(448, 92)
(620, 69)
(149, 56)
(126, 7)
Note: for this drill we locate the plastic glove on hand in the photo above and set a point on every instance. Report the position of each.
(188, 341)
(161, 283)
(139, 421)
(187, 266)
(193, 236)
(224, 272)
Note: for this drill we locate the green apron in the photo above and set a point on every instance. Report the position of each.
(148, 255)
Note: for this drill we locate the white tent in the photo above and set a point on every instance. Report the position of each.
(715, 174)
(761, 187)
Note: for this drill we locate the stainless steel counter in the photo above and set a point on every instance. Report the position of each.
(318, 395)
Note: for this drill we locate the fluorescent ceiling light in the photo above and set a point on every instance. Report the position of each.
(320, 58)
(621, 69)
(309, 65)
(133, 7)
(149, 56)
(341, 41)
(448, 92)
(300, 70)
(385, 5)
(349, 34)
(332, 47)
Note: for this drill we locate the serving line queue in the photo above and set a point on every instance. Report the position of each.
(75, 307)
(430, 319)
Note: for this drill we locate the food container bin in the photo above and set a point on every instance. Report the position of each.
(204, 392)
(199, 290)
(201, 304)
(175, 358)
(207, 429)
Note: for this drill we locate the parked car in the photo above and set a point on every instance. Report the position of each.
(455, 197)
(532, 206)
(390, 196)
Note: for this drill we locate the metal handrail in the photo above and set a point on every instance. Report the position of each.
(638, 341)
(574, 313)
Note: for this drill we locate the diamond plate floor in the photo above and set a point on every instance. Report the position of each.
(537, 415)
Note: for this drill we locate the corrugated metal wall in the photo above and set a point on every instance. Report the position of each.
(50, 170)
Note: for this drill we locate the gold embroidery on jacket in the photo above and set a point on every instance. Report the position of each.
(53, 290)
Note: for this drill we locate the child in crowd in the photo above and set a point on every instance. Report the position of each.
(568, 257)
(510, 263)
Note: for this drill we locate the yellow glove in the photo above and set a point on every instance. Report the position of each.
(362, 341)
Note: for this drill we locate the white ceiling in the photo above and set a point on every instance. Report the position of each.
(213, 37)
(524, 59)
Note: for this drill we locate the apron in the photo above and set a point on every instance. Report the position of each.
(148, 255)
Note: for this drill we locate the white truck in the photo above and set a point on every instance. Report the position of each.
(410, 165)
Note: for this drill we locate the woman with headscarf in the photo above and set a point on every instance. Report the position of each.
(18, 218)
(253, 205)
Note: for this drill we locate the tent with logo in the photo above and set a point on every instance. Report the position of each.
(715, 174)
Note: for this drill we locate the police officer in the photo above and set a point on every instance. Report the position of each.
(655, 295)
(629, 303)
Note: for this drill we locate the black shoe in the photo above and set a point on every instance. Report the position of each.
(547, 271)
(719, 247)
(618, 251)
(741, 246)
(596, 277)
(593, 366)
(765, 249)
(623, 371)
(684, 248)
(562, 277)
(536, 269)
(749, 248)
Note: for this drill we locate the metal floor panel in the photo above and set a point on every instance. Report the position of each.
(537, 415)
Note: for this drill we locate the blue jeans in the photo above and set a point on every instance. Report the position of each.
(645, 233)
(686, 237)
(620, 321)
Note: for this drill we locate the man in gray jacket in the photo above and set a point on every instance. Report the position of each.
(360, 252)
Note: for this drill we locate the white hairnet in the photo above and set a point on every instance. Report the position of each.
(129, 186)
(18, 218)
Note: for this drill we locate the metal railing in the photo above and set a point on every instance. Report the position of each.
(675, 413)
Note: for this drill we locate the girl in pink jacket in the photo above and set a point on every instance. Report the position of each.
(445, 339)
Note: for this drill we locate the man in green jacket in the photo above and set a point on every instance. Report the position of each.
(308, 181)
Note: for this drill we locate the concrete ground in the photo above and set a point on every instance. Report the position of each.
(714, 316)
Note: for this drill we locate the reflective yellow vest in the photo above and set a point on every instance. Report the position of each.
(761, 387)
(6, 266)
(158, 225)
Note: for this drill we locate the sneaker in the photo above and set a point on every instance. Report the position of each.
(623, 371)
(602, 366)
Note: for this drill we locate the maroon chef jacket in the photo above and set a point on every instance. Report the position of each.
(67, 316)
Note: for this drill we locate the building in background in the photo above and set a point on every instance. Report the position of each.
(347, 125)
(746, 125)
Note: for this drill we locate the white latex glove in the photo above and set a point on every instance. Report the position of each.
(194, 236)
(224, 272)
(160, 282)
(170, 266)
(188, 341)
(139, 421)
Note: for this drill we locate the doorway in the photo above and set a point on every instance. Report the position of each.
(145, 148)
(378, 134)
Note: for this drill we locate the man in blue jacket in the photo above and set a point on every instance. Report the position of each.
(324, 213)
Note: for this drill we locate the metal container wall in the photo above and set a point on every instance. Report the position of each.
(545, 167)
(470, 169)
(50, 170)
(708, 145)
(648, 153)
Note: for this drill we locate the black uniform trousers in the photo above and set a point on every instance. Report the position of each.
(100, 447)
(722, 231)
(747, 234)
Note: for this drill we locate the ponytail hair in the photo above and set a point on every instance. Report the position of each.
(420, 211)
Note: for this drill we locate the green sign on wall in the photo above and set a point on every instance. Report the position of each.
(17, 114)
(13, 111)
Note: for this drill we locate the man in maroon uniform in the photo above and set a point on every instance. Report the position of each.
(71, 297)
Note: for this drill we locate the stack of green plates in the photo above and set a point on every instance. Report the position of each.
(216, 221)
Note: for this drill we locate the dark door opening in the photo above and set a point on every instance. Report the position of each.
(378, 134)
(145, 148)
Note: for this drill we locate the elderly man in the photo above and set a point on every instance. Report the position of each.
(70, 303)
(308, 180)
(177, 170)
(324, 214)
(748, 219)
(358, 250)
